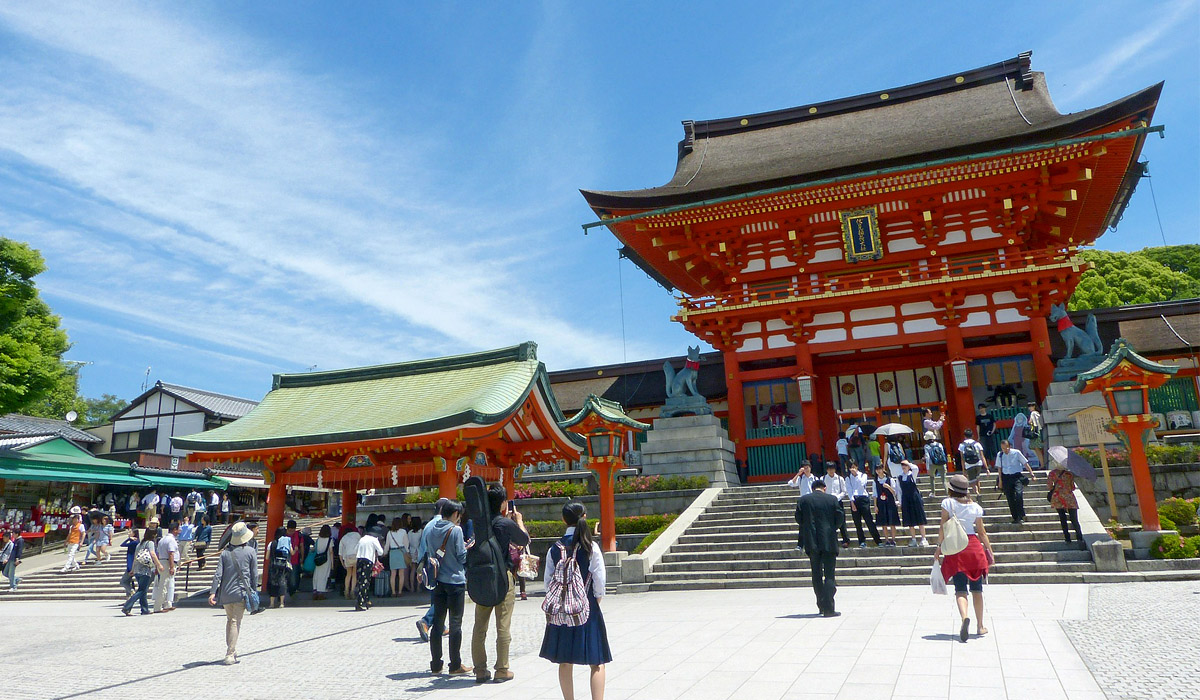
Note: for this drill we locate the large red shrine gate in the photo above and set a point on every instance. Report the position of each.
(409, 424)
(873, 245)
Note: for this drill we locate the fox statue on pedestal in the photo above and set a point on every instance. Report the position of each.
(1088, 342)
(683, 383)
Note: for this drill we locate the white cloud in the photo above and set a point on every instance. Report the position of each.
(1139, 45)
(217, 193)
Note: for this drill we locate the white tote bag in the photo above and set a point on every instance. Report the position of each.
(954, 537)
(936, 583)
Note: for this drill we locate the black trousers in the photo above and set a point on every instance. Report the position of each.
(1073, 514)
(861, 512)
(845, 537)
(448, 599)
(823, 581)
(1014, 491)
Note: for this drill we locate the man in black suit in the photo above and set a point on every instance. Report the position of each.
(820, 517)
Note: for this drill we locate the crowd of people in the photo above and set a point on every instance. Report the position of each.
(889, 481)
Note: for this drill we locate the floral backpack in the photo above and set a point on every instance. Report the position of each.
(566, 602)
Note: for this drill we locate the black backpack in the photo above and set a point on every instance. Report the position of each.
(487, 561)
(970, 453)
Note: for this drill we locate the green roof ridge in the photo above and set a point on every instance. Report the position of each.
(605, 408)
(516, 353)
(1121, 350)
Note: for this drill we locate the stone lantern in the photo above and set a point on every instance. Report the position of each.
(1126, 379)
(605, 426)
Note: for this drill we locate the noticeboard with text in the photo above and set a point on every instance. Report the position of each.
(1092, 424)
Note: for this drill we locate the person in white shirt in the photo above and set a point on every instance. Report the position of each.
(860, 505)
(348, 552)
(168, 556)
(936, 460)
(843, 451)
(803, 479)
(395, 546)
(974, 457)
(367, 551)
(835, 486)
(150, 505)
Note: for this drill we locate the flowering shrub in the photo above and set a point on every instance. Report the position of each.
(427, 496)
(643, 484)
(1173, 547)
(1178, 511)
(1155, 454)
(550, 489)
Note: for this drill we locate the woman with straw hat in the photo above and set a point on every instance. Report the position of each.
(965, 569)
(233, 585)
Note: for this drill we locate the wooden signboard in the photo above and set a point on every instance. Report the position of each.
(1092, 423)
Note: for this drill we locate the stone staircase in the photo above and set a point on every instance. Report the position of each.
(747, 539)
(103, 581)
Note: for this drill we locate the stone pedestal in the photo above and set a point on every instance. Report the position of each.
(612, 566)
(690, 446)
(1058, 408)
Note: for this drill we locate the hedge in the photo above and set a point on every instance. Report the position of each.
(427, 496)
(649, 539)
(1178, 511)
(1155, 454)
(551, 489)
(631, 525)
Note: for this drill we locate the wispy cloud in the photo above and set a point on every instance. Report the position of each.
(215, 192)
(1178, 16)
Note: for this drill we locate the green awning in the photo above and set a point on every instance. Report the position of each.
(37, 470)
(183, 482)
(60, 460)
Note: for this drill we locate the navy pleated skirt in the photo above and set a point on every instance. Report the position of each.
(584, 645)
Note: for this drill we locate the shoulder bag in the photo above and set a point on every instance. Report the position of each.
(954, 536)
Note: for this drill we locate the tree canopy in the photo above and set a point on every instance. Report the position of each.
(1146, 276)
(31, 342)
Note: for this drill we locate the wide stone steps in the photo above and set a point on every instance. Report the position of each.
(747, 539)
(1040, 578)
(102, 581)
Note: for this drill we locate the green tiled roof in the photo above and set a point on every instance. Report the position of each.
(609, 410)
(397, 400)
(1121, 350)
(60, 460)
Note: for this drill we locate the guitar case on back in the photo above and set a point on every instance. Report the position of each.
(487, 565)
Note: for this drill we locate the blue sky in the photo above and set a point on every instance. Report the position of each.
(226, 190)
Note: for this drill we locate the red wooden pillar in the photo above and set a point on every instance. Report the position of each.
(960, 400)
(1135, 428)
(448, 481)
(276, 499)
(809, 409)
(737, 411)
(828, 419)
(606, 474)
(1043, 367)
(349, 505)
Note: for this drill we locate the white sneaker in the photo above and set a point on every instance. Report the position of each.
(230, 660)
(913, 543)
(924, 542)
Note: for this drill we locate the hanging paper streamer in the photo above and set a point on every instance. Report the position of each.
(395, 475)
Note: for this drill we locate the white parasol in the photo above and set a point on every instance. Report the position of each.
(890, 429)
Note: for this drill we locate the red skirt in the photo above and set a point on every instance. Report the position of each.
(972, 561)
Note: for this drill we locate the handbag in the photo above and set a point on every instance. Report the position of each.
(954, 537)
(377, 568)
(309, 564)
(144, 557)
(527, 568)
(428, 574)
(319, 558)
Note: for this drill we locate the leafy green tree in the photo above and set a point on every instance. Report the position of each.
(62, 398)
(101, 410)
(31, 342)
(1147, 276)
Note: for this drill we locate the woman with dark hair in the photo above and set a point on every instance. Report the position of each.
(348, 555)
(279, 554)
(322, 562)
(587, 643)
(415, 526)
(395, 546)
(143, 565)
(966, 569)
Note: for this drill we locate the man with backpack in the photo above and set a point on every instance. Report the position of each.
(858, 446)
(446, 558)
(973, 458)
(935, 461)
(508, 527)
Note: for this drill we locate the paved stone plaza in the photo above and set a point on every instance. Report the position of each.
(891, 642)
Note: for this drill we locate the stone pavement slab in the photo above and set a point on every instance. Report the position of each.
(890, 642)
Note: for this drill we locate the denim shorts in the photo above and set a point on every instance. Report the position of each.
(962, 583)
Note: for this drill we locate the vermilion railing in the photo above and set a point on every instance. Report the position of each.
(850, 282)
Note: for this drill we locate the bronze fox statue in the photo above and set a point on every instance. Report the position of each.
(684, 382)
(1087, 341)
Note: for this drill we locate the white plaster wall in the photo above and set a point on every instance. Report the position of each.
(877, 330)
